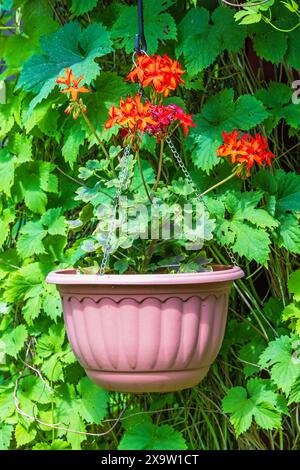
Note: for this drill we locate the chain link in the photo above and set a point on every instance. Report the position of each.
(198, 195)
(122, 183)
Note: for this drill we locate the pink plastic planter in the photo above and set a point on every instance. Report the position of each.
(146, 332)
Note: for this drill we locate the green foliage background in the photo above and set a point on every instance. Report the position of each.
(238, 76)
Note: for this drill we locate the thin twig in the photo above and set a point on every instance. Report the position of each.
(56, 426)
(243, 5)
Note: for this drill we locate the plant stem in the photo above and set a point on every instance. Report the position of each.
(217, 184)
(142, 175)
(93, 130)
(161, 154)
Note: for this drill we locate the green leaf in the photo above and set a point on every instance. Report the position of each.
(57, 444)
(30, 240)
(7, 170)
(5, 435)
(204, 155)
(159, 25)
(257, 402)
(52, 303)
(76, 424)
(93, 401)
(245, 230)
(294, 396)
(32, 309)
(294, 284)
(24, 436)
(68, 47)
(14, 340)
(292, 313)
(73, 139)
(220, 113)
(33, 389)
(289, 233)
(7, 404)
(147, 436)
(200, 41)
(80, 7)
(278, 101)
(285, 186)
(7, 217)
(21, 147)
(279, 359)
(264, 39)
(51, 343)
(250, 242)
(24, 283)
(54, 222)
(193, 32)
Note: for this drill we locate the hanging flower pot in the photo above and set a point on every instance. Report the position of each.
(146, 332)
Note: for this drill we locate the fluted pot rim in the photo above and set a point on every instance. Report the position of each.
(220, 273)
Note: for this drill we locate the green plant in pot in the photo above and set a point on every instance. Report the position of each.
(146, 309)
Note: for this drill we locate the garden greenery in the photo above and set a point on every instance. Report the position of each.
(55, 177)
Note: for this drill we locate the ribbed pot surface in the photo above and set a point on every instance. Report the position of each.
(145, 336)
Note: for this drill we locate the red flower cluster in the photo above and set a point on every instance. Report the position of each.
(161, 72)
(164, 117)
(132, 114)
(153, 119)
(245, 150)
(72, 83)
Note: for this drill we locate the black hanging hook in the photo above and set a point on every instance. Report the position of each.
(140, 43)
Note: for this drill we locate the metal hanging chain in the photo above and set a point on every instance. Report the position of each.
(140, 40)
(189, 178)
(122, 183)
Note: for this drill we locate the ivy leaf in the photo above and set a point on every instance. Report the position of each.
(93, 401)
(193, 31)
(284, 186)
(24, 283)
(57, 444)
(24, 436)
(14, 340)
(292, 313)
(220, 113)
(279, 359)
(200, 41)
(289, 233)
(30, 240)
(7, 404)
(250, 242)
(33, 389)
(245, 230)
(76, 424)
(51, 343)
(21, 147)
(294, 396)
(278, 101)
(147, 436)
(257, 402)
(7, 217)
(52, 303)
(68, 47)
(54, 222)
(264, 39)
(294, 284)
(159, 25)
(5, 435)
(79, 7)
(32, 309)
(7, 171)
(73, 139)
(204, 154)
